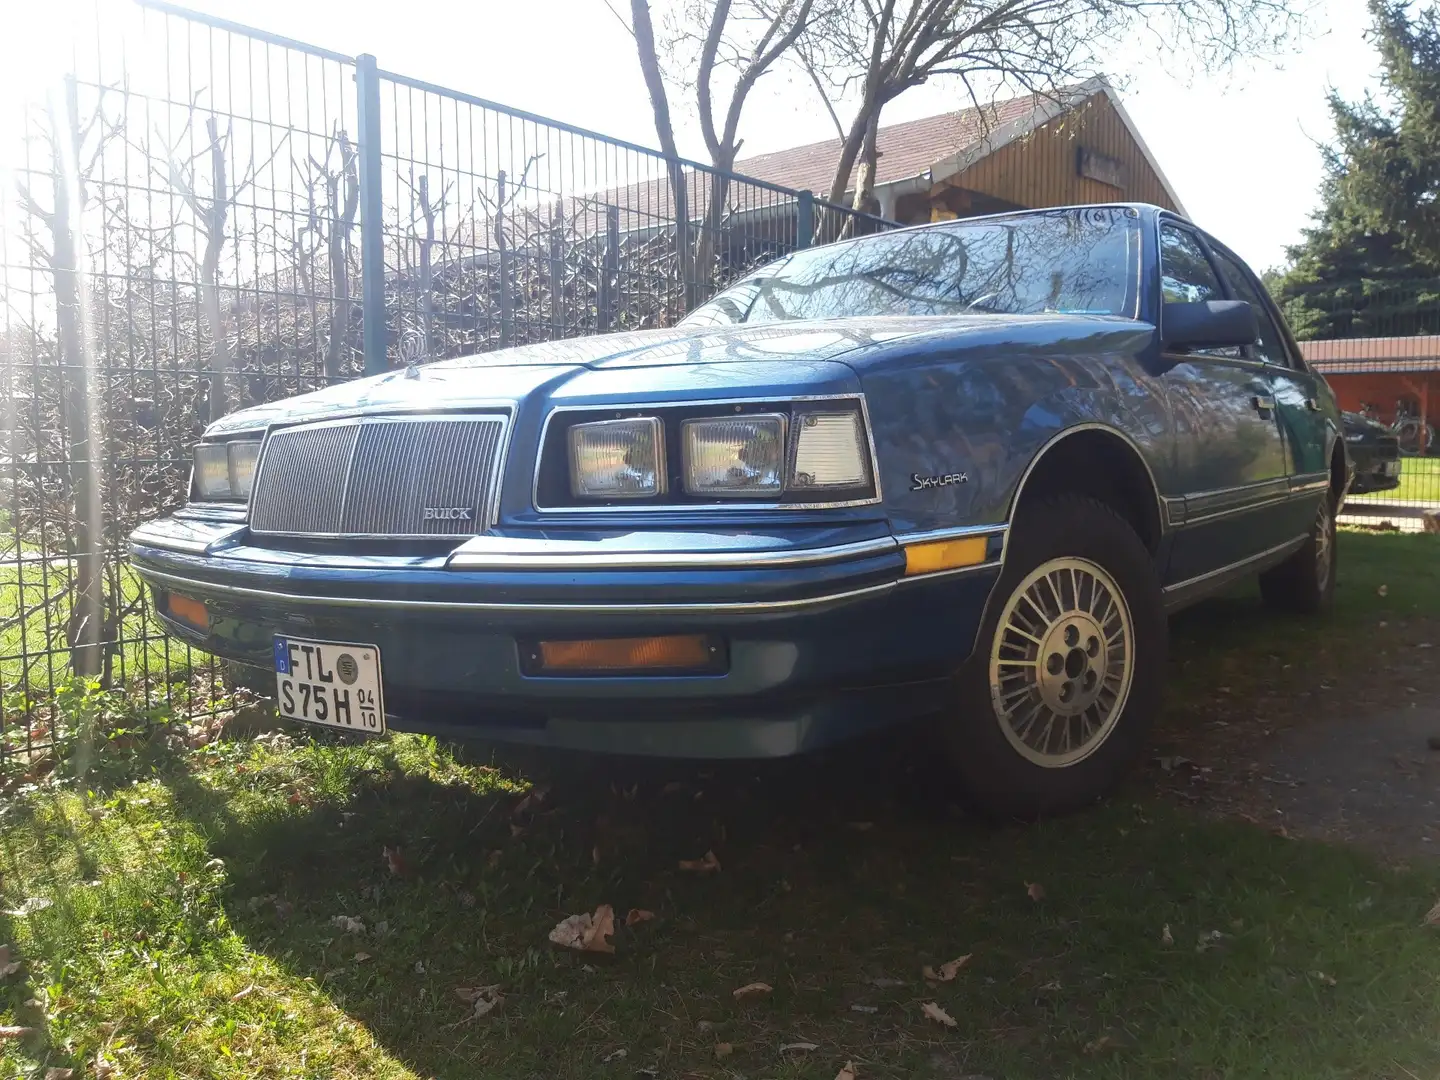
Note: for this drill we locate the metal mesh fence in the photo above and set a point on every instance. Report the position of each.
(198, 216)
(1378, 346)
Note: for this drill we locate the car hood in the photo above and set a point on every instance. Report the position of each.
(754, 354)
(1359, 424)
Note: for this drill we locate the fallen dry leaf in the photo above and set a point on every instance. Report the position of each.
(348, 924)
(723, 1050)
(847, 1072)
(533, 799)
(1104, 1042)
(1328, 980)
(56, 1073)
(483, 999)
(241, 995)
(1432, 917)
(8, 966)
(103, 1069)
(801, 1047)
(947, 971)
(1035, 890)
(638, 915)
(586, 933)
(708, 865)
(867, 1009)
(28, 906)
(9, 1031)
(395, 860)
(936, 1013)
(361, 957)
(615, 1055)
(750, 990)
(1166, 938)
(1382, 590)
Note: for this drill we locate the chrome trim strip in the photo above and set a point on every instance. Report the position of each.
(223, 513)
(957, 533)
(217, 589)
(1306, 482)
(1174, 510)
(461, 559)
(1235, 567)
(739, 504)
(502, 416)
(954, 571)
(151, 535)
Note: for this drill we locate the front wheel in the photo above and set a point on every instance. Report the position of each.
(1067, 671)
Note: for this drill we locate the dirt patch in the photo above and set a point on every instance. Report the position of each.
(1335, 749)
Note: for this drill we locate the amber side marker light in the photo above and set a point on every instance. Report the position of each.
(191, 612)
(945, 554)
(609, 656)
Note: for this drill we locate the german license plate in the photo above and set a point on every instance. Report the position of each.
(333, 683)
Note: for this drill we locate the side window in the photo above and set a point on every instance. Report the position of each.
(1271, 347)
(1186, 275)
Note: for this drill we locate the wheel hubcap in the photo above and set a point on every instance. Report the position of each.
(1323, 541)
(1061, 662)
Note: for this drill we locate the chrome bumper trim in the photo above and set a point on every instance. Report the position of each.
(471, 556)
(194, 537)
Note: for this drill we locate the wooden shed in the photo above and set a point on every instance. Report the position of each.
(1382, 376)
(1078, 146)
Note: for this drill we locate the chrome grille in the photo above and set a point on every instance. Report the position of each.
(379, 476)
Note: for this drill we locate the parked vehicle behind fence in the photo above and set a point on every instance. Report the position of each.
(1374, 450)
(960, 472)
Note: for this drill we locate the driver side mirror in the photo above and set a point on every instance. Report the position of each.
(1208, 324)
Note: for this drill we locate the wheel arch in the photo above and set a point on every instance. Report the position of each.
(1103, 462)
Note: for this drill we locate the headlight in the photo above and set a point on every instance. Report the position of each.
(212, 471)
(243, 456)
(739, 455)
(225, 470)
(830, 451)
(617, 459)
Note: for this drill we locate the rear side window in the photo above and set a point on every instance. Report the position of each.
(1271, 347)
(1186, 276)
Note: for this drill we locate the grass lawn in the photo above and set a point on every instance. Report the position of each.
(1419, 479)
(230, 911)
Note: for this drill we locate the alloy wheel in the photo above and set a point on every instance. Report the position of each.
(1061, 662)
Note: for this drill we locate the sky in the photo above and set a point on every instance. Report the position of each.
(1238, 147)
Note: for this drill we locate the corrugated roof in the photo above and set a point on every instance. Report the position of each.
(1340, 356)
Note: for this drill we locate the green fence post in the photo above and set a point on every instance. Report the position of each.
(805, 220)
(372, 235)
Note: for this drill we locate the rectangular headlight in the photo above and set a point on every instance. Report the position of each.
(735, 455)
(242, 467)
(830, 451)
(212, 471)
(617, 459)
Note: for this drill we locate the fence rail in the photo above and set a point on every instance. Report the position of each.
(201, 216)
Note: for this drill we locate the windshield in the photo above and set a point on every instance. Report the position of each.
(1082, 261)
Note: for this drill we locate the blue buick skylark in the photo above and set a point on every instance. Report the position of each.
(962, 471)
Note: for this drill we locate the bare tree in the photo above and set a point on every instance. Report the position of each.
(54, 237)
(865, 53)
(734, 43)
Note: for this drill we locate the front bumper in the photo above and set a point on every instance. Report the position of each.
(825, 635)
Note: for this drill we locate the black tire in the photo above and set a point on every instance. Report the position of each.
(999, 778)
(1304, 584)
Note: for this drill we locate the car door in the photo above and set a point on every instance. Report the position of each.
(1303, 403)
(1229, 452)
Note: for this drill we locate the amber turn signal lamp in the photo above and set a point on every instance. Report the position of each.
(945, 554)
(190, 612)
(675, 652)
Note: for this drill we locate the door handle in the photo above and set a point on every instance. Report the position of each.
(1263, 403)
(1312, 404)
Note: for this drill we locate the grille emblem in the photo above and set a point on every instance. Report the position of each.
(447, 513)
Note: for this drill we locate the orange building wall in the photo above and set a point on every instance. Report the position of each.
(1382, 390)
